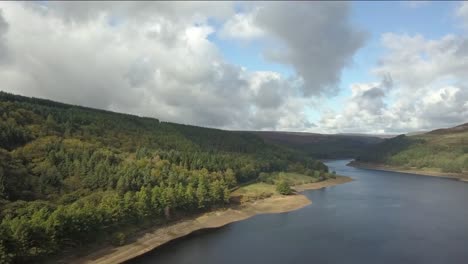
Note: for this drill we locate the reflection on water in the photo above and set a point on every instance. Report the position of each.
(381, 217)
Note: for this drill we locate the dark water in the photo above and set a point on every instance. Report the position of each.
(382, 217)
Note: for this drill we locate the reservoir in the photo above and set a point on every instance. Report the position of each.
(381, 217)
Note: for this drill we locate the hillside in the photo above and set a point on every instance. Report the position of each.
(322, 146)
(71, 175)
(441, 150)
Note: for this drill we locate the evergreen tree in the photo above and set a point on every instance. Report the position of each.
(202, 194)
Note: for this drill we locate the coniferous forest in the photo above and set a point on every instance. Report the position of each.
(70, 175)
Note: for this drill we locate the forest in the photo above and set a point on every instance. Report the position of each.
(444, 150)
(70, 175)
(322, 146)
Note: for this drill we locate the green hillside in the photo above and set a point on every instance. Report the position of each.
(72, 175)
(444, 150)
(322, 146)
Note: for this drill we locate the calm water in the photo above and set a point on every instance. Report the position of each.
(382, 217)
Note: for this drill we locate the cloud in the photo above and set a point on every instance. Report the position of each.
(146, 58)
(269, 89)
(242, 26)
(462, 13)
(427, 88)
(450, 100)
(318, 48)
(159, 59)
(3, 31)
(418, 62)
(140, 11)
(363, 111)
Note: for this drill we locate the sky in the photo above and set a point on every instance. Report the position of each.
(325, 67)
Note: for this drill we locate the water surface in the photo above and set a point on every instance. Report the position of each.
(381, 217)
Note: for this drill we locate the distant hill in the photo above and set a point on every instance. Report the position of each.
(323, 146)
(452, 130)
(444, 150)
(367, 135)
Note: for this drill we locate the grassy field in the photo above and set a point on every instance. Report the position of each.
(266, 186)
(295, 178)
(255, 191)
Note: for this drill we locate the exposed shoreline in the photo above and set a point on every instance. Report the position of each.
(460, 176)
(158, 236)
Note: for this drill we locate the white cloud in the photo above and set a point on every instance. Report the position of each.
(3, 30)
(315, 38)
(429, 88)
(462, 13)
(363, 111)
(157, 59)
(242, 26)
(153, 59)
(418, 62)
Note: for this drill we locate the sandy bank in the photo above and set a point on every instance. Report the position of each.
(459, 176)
(161, 235)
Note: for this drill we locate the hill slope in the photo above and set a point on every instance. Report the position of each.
(70, 175)
(442, 150)
(321, 145)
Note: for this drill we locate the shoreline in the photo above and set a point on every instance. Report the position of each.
(459, 176)
(159, 236)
